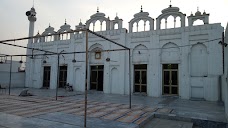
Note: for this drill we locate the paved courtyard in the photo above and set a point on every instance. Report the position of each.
(103, 110)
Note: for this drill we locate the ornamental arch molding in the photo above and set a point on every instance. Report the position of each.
(94, 49)
(140, 54)
(199, 60)
(170, 11)
(170, 53)
(141, 16)
(98, 17)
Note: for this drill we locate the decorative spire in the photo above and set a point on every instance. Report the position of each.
(141, 9)
(80, 20)
(204, 12)
(197, 9)
(116, 14)
(65, 22)
(170, 3)
(97, 9)
(49, 25)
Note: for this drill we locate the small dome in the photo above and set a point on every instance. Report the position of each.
(116, 18)
(170, 9)
(49, 29)
(65, 26)
(198, 13)
(141, 14)
(98, 14)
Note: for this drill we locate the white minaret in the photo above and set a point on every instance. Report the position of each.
(28, 70)
(32, 18)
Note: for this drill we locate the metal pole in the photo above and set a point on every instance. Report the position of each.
(10, 73)
(129, 78)
(223, 57)
(57, 79)
(86, 79)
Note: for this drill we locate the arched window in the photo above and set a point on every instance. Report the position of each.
(135, 27)
(49, 38)
(141, 26)
(163, 26)
(170, 22)
(116, 26)
(91, 27)
(103, 26)
(198, 22)
(65, 36)
(97, 26)
(147, 27)
(178, 22)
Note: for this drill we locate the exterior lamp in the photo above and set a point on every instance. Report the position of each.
(74, 61)
(44, 61)
(107, 59)
(21, 60)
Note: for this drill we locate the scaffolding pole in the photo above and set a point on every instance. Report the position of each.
(10, 74)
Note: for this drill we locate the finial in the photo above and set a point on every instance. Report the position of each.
(204, 12)
(97, 9)
(197, 8)
(80, 20)
(141, 9)
(38, 33)
(170, 3)
(65, 22)
(49, 25)
(116, 14)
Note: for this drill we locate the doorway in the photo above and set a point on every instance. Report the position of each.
(140, 78)
(170, 79)
(62, 76)
(96, 77)
(46, 76)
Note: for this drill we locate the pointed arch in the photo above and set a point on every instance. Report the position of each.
(170, 53)
(140, 54)
(199, 60)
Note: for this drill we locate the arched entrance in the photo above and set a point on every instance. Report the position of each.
(170, 59)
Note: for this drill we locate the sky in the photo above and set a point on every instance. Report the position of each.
(14, 23)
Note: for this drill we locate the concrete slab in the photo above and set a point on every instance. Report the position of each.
(109, 107)
(163, 123)
(12, 121)
(79, 120)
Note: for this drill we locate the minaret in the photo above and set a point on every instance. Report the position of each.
(29, 63)
(32, 18)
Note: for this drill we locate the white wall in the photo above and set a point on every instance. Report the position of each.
(190, 86)
(17, 79)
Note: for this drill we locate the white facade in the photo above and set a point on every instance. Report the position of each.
(193, 51)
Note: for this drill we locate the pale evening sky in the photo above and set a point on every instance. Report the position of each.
(14, 23)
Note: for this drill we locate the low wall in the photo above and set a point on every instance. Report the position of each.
(17, 79)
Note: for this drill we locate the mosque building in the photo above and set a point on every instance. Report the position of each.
(185, 60)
